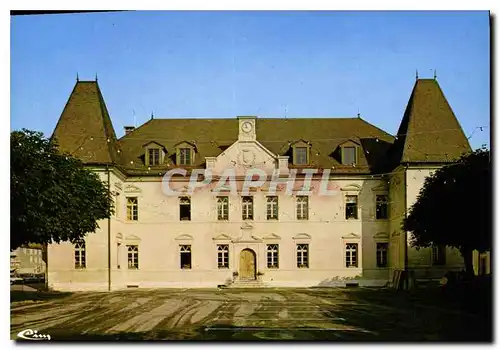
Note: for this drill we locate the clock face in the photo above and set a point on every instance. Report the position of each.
(246, 127)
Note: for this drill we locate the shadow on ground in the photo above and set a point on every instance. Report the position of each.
(217, 332)
(18, 295)
(436, 314)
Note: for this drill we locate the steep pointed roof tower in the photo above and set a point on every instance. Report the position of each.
(84, 129)
(429, 131)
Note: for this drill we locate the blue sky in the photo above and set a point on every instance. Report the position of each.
(269, 64)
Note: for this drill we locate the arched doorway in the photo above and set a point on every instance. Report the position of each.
(247, 264)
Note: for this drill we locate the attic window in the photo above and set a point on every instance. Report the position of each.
(185, 156)
(301, 152)
(301, 155)
(349, 155)
(154, 156)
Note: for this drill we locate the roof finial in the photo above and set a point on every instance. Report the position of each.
(96, 77)
(416, 75)
(77, 79)
(152, 115)
(435, 76)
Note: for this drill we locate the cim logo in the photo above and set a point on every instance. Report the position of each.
(30, 334)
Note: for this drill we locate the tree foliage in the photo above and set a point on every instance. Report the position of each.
(53, 197)
(453, 207)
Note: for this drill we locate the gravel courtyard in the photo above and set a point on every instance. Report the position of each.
(231, 314)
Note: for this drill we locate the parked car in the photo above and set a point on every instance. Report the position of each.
(16, 280)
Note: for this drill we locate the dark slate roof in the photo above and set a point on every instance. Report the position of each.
(429, 131)
(212, 136)
(85, 129)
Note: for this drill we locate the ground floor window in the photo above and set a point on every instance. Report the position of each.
(80, 255)
(118, 254)
(303, 255)
(382, 254)
(439, 255)
(351, 255)
(133, 256)
(223, 256)
(185, 252)
(272, 256)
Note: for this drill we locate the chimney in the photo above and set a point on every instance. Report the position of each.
(129, 129)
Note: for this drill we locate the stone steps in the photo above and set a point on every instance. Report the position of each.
(247, 284)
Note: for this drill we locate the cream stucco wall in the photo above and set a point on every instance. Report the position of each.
(159, 232)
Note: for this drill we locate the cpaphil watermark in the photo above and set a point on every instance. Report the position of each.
(30, 334)
(312, 181)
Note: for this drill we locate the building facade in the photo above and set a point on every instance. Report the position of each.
(169, 232)
(27, 260)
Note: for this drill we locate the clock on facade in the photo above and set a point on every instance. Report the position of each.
(246, 127)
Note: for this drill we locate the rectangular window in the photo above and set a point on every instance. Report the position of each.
(349, 155)
(118, 254)
(132, 209)
(185, 156)
(222, 208)
(223, 256)
(247, 208)
(31, 258)
(382, 254)
(302, 207)
(302, 255)
(154, 156)
(301, 155)
(351, 207)
(80, 255)
(272, 208)
(185, 252)
(382, 211)
(351, 255)
(272, 256)
(185, 208)
(439, 255)
(133, 256)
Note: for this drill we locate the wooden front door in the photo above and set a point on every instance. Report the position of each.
(247, 264)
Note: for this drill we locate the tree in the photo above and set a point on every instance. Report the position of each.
(453, 207)
(54, 197)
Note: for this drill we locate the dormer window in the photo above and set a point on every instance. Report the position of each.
(154, 156)
(349, 155)
(185, 153)
(184, 156)
(301, 155)
(301, 152)
(154, 153)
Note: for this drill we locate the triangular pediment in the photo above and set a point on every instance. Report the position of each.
(132, 189)
(351, 236)
(271, 236)
(380, 188)
(222, 237)
(119, 236)
(381, 236)
(184, 237)
(151, 144)
(351, 187)
(349, 142)
(133, 238)
(299, 143)
(251, 239)
(186, 144)
(302, 236)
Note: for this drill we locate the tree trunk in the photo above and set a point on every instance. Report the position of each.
(467, 255)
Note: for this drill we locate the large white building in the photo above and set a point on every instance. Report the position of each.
(207, 238)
